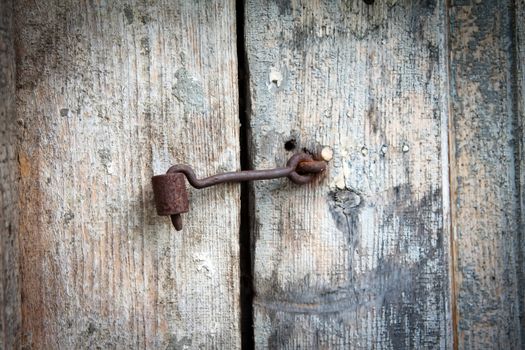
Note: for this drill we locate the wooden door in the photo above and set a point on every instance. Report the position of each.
(359, 259)
(109, 94)
(412, 239)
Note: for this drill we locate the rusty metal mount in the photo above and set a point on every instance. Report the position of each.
(171, 197)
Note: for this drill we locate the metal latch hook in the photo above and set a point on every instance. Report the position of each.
(171, 197)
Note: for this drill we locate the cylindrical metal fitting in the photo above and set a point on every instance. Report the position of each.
(170, 194)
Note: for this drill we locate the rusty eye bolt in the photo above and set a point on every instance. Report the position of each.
(171, 197)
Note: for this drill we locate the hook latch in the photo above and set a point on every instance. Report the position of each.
(171, 197)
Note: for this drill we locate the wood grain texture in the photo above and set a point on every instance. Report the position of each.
(484, 180)
(110, 93)
(358, 259)
(519, 36)
(9, 278)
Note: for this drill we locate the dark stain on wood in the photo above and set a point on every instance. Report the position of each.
(10, 295)
(343, 205)
(483, 175)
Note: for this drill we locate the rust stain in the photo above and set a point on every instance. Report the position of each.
(24, 165)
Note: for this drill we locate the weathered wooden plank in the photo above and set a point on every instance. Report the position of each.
(519, 30)
(9, 287)
(110, 93)
(359, 259)
(483, 175)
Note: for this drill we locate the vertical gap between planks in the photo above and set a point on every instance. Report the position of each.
(450, 147)
(245, 241)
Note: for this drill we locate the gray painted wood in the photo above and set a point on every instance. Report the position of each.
(358, 259)
(519, 35)
(9, 286)
(485, 173)
(110, 93)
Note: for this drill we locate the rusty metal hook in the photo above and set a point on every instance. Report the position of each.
(171, 197)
